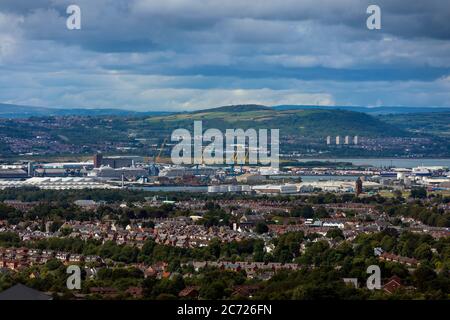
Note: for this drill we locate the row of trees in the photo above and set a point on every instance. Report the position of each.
(430, 216)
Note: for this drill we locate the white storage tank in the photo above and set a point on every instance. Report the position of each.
(288, 188)
(223, 188)
(213, 189)
(234, 188)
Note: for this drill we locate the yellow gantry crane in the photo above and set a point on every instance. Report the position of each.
(157, 155)
(158, 158)
(246, 160)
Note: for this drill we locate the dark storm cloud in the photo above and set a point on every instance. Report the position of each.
(170, 22)
(177, 46)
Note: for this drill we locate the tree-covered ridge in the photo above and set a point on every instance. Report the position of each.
(307, 122)
(90, 130)
(435, 123)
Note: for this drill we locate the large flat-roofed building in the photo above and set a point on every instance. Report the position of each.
(13, 173)
(107, 172)
(60, 169)
(67, 165)
(276, 189)
(65, 183)
(116, 161)
(56, 172)
(176, 172)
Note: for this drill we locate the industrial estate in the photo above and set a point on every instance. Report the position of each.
(143, 228)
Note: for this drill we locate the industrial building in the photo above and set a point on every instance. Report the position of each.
(13, 173)
(106, 172)
(276, 189)
(177, 172)
(116, 161)
(229, 188)
(56, 183)
(67, 165)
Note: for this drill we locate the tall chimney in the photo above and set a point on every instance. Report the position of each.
(98, 160)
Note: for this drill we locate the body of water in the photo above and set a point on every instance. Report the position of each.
(387, 162)
(328, 178)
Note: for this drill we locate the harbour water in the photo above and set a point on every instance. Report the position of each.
(328, 178)
(386, 162)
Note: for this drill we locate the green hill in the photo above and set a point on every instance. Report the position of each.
(308, 122)
(433, 123)
(300, 130)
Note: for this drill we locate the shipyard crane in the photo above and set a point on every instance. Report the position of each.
(158, 158)
(246, 160)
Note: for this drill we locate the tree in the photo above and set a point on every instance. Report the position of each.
(335, 233)
(418, 193)
(147, 248)
(214, 248)
(315, 253)
(423, 252)
(66, 231)
(387, 243)
(258, 251)
(148, 224)
(306, 212)
(213, 291)
(9, 239)
(423, 277)
(53, 264)
(55, 226)
(397, 193)
(261, 228)
(174, 265)
(287, 246)
(321, 213)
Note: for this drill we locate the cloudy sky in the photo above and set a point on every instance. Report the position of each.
(191, 54)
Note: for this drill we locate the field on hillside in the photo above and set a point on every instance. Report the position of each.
(435, 123)
(311, 122)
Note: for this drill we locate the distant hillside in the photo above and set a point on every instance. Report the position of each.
(301, 130)
(12, 111)
(434, 123)
(301, 122)
(370, 110)
(236, 108)
(15, 111)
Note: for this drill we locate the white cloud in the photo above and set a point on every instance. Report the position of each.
(9, 36)
(192, 99)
